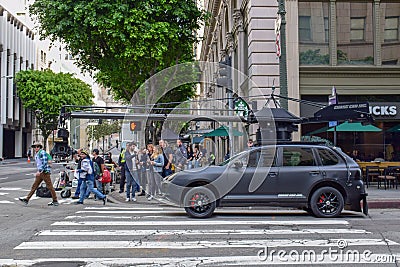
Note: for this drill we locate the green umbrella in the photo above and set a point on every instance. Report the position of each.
(223, 131)
(394, 129)
(320, 130)
(355, 127)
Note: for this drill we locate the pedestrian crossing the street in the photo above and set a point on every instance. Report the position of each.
(165, 236)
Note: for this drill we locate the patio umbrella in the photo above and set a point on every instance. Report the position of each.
(223, 131)
(355, 127)
(320, 130)
(394, 129)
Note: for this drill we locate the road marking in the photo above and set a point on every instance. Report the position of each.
(203, 222)
(140, 244)
(197, 261)
(10, 188)
(132, 211)
(117, 217)
(6, 202)
(197, 232)
(3, 194)
(121, 208)
(5, 178)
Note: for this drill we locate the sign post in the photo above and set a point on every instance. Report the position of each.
(332, 100)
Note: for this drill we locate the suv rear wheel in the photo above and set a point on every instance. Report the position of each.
(199, 202)
(326, 202)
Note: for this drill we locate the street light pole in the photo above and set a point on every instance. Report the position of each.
(282, 59)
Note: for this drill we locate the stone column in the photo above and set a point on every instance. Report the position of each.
(377, 34)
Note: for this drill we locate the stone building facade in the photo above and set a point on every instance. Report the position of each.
(17, 52)
(352, 45)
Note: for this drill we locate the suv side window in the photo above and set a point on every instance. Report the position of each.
(327, 157)
(298, 156)
(262, 157)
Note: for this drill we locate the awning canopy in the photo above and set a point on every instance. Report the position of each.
(394, 129)
(355, 127)
(321, 130)
(223, 131)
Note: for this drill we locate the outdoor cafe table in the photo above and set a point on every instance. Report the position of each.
(380, 164)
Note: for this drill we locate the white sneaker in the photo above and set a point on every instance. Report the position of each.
(150, 198)
(134, 199)
(127, 199)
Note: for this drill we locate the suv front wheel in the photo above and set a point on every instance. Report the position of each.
(199, 202)
(326, 202)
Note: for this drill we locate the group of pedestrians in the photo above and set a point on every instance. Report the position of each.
(142, 169)
(85, 173)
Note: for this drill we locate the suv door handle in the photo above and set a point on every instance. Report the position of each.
(314, 173)
(272, 174)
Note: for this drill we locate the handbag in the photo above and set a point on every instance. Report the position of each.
(43, 191)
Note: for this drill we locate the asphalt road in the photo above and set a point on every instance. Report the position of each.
(148, 233)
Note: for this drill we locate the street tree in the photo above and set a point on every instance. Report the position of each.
(45, 92)
(106, 128)
(124, 42)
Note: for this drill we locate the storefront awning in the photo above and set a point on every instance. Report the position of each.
(355, 127)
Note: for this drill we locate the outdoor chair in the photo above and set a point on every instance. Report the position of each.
(390, 177)
(372, 173)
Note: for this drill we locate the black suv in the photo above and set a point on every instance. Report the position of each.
(319, 179)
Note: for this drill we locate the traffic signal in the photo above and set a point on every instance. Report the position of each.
(225, 73)
(135, 125)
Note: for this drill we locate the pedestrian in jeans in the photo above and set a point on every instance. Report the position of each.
(168, 157)
(131, 172)
(87, 175)
(42, 174)
(157, 161)
(78, 161)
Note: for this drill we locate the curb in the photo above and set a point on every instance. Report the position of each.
(384, 204)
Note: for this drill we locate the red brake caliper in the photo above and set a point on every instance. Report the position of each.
(321, 199)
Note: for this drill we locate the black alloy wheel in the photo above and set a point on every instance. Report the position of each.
(199, 202)
(326, 202)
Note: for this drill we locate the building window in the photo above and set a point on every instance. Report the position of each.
(314, 31)
(357, 27)
(304, 28)
(326, 28)
(391, 28)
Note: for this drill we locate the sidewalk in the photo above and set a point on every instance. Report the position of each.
(377, 198)
(383, 199)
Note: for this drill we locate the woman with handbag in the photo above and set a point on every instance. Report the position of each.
(157, 161)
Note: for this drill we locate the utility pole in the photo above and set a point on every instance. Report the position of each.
(282, 58)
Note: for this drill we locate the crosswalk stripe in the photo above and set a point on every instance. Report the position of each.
(6, 202)
(109, 244)
(202, 222)
(132, 212)
(197, 232)
(207, 261)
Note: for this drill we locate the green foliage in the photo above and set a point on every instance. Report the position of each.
(45, 92)
(104, 129)
(124, 42)
(313, 57)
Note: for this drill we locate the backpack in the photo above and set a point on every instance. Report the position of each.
(106, 178)
(96, 169)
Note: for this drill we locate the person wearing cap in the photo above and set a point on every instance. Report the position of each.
(86, 172)
(42, 174)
